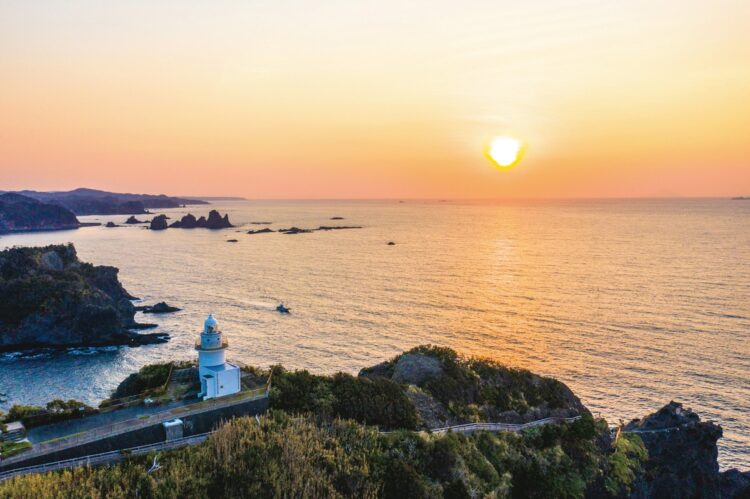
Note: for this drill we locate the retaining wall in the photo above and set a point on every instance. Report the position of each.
(193, 425)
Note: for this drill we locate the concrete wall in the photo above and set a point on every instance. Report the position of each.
(193, 425)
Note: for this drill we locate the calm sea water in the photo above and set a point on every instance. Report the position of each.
(631, 303)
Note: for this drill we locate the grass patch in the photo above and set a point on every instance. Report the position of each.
(8, 449)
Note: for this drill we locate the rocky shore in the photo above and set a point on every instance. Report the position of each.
(50, 299)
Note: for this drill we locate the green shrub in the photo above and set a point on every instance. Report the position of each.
(149, 377)
(624, 463)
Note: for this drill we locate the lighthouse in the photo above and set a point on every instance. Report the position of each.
(217, 376)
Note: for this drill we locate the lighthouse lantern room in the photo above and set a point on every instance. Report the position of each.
(217, 376)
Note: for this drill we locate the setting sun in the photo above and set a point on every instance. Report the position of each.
(505, 151)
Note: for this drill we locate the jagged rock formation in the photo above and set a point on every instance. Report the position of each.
(682, 455)
(160, 308)
(159, 222)
(132, 221)
(214, 221)
(48, 298)
(21, 213)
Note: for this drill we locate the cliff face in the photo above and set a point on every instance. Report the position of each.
(682, 455)
(20, 213)
(48, 298)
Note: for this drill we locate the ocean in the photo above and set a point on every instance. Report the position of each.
(632, 303)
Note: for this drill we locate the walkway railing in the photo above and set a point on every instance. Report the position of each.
(106, 457)
(472, 427)
(133, 424)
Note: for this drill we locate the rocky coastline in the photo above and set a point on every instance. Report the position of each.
(24, 214)
(392, 409)
(50, 299)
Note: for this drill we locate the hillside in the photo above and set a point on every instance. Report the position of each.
(322, 438)
(49, 298)
(21, 213)
(84, 201)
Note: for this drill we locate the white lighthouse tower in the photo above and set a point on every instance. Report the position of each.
(217, 376)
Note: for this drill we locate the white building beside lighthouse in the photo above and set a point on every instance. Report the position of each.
(217, 376)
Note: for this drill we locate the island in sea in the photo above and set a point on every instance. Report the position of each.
(428, 423)
(49, 298)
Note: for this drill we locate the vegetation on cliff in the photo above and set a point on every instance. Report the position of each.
(323, 438)
(450, 389)
(84, 201)
(20, 213)
(49, 298)
(295, 456)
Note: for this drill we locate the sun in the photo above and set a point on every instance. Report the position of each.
(504, 151)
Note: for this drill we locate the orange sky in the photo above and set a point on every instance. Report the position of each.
(376, 99)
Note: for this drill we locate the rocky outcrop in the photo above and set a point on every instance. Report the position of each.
(111, 225)
(338, 227)
(132, 221)
(159, 223)
(294, 230)
(159, 308)
(214, 221)
(682, 454)
(260, 231)
(21, 213)
(416, 369)
(735, 484)
(476, 389)
(48, 298)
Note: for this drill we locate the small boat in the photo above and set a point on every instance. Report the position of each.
(282, 309)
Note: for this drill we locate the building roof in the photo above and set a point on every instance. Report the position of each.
(224, 367)
(15, 426)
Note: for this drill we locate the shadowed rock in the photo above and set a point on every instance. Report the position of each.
(51, 299)
(159, 223)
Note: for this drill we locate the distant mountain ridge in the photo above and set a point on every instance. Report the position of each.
(84, 201)
(20, 213)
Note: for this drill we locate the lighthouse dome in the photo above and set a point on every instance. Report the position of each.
(210, 326)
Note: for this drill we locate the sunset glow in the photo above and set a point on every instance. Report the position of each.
(376, 99)
(504, 151)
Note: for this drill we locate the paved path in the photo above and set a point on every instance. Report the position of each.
(114, 456)
(472, 427)
(128, 425)
(66, 428)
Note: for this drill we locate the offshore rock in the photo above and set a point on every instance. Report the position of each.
(159, 308)
(159, 223)
(214, 221)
